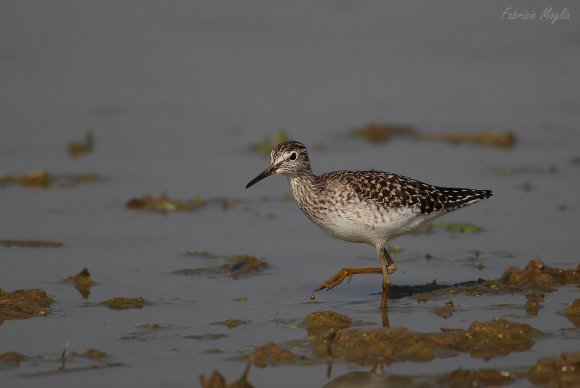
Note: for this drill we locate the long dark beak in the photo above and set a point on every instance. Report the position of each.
(266, 173)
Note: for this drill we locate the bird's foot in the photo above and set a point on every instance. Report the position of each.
(343, 274)
(391, 268)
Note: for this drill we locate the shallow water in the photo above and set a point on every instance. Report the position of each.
(175, 95)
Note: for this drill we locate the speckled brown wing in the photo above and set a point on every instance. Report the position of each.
(394, 191)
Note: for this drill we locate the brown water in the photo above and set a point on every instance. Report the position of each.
(176, 93)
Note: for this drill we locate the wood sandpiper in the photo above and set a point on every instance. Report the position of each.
(370, 207)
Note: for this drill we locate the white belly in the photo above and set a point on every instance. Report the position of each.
(370, 227)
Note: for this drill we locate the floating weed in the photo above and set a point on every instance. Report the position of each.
(330, 336)
(23, 304)
(40, 179)
(502, 139)
(573, 312)
(265, 145)
(206, 336)
(383, 132)
(240, 299)
(217, 380)
(231, 323)
(76, 149)
(81, 281)
(534, 277)
(563, 371)
(236, 267)
(164, 204)
(31, 243)
(456, 227)
(446, 310)
(12, 358)
(533, 301)
(273, 354)
(123, 303)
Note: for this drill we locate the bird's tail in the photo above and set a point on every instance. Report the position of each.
(458, 197)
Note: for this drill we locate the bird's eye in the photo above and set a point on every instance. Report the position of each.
(293, 156)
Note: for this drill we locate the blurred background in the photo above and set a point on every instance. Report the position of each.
(185, 98)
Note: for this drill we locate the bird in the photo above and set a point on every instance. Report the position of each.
(371, 207)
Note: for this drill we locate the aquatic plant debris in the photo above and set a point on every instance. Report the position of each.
(533, 301)
(369, 346)
(236, 267)
(382, 132)
(12, 358)
(272, 354)
(76, 149)
(573, 312)
(534, 277)
(456, 227)
(206, 336)
(82, 282)
(217, 380)
(265, 145)
(23, 304)
(40, 179)
(31, 243)
(164, 204)
(122, 303)
(321, 323)
(446, 310)
(231, 323)
(563, 371)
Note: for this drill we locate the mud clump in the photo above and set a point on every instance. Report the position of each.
(563, 371)
(446, 310)
(533, 303)
(236, 267)
(82, 282)
(534, 277)
(217, 380)
(478, 378)
(124, 303)
(23, 304)
(538, 276)
(12, 358)
(498, 337)
(388, 345)
(320, 323)
(573, 312)
(272, 354)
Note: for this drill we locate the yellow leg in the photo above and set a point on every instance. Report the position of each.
(343, 274)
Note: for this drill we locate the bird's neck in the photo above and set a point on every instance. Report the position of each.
(303, 186)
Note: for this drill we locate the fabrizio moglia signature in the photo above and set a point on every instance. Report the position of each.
(548, 15)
